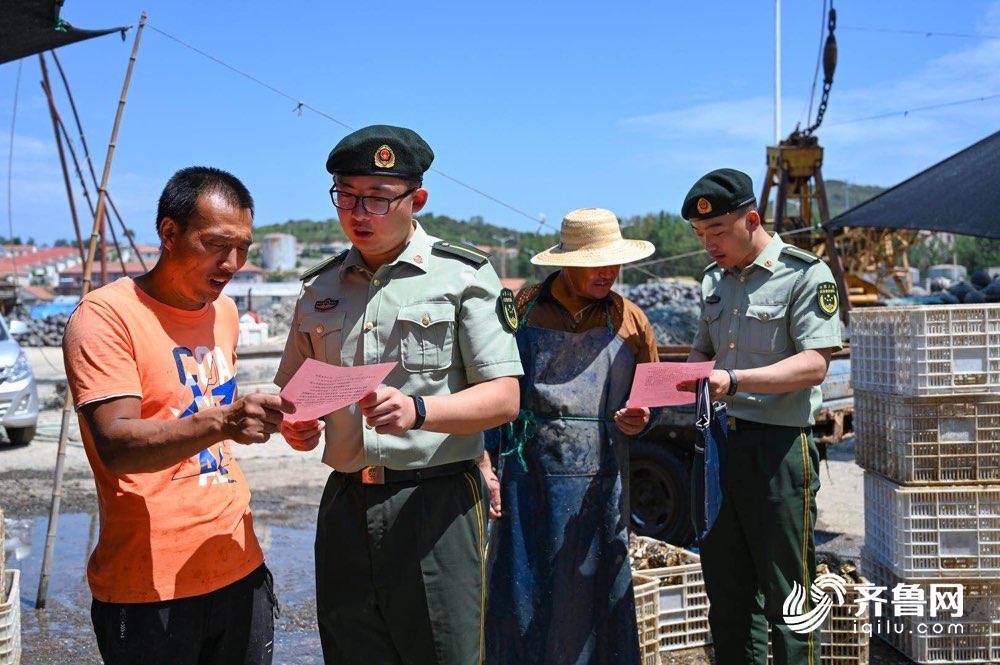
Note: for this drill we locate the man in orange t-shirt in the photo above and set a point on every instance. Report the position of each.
(177, 575)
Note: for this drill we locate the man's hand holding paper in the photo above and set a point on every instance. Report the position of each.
(318, 389)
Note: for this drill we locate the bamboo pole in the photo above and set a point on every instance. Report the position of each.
(50, 538)
(104, 247)
(118, 248)
(62, 156)
(90, 163)
(90, 203)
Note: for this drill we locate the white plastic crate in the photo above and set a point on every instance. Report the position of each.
(971, 638)
(921, 532)
(683, 604)
(10, 618)
(844, 639)
(929, 440)
(647, 610)
(927, 350)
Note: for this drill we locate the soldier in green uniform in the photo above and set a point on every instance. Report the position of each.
(769, 320)
(401, 528)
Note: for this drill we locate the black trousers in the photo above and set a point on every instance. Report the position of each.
(400, 570)
(233, 625)
(761, 544)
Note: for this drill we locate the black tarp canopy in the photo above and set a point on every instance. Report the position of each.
(958, 195)
(32, 26)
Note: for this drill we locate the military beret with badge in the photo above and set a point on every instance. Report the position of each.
(381, 150)
(717, 193)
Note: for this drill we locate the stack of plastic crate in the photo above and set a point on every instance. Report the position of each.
(647, 610)
(681, 603)
(927, 422)
(845, 634)
(10, 609)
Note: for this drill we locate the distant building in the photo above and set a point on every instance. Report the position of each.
(35, 295)
(40, 266)
(332, 247)
(262, 294)
(149, 253)
(17, 250)
(71, 279)
(249, 274)
(278, 251)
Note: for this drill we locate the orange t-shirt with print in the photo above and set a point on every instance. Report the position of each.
(185, 530)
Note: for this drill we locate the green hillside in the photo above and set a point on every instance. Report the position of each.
(670, 234)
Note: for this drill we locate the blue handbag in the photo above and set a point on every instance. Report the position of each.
(708, 472)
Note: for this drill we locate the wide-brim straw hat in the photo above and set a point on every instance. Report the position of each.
(592, 237)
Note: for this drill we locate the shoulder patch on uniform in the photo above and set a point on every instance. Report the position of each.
(471, 254)
(323, 265)
(710, 266)
(507, 310)
(799, 253)
(828, 298)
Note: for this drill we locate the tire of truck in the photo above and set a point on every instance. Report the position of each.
(660, 493)
(20, 436)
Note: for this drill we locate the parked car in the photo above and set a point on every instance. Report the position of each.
(18, 391)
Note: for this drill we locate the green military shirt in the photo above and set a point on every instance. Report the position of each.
(432, 311)
(776, 307)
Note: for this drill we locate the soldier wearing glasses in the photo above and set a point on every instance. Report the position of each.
(402, 522)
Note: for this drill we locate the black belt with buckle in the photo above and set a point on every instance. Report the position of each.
(740, 425)
(379, 475)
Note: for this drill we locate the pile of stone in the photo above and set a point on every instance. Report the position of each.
(278, 317)
(43, 332)
(672, 306)
(979, 289)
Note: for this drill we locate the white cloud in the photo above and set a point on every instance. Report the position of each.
(879, 151)
(25, 147)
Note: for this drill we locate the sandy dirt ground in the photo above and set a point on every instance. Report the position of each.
(286, 491)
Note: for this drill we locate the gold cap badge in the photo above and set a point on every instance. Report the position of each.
(385, 158)
(704, 206)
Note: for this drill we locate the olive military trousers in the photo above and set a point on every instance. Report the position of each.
(762, 543)
(400, 570)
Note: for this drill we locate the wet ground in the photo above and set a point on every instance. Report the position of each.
(63, 628)
(286, 490)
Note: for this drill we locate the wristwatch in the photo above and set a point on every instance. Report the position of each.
(418, 406)
(733, 383)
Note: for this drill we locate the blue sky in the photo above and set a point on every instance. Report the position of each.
(549, 106)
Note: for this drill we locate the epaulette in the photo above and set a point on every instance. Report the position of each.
(799, 253)
(471, 254)
(323, 265)
(711, 265)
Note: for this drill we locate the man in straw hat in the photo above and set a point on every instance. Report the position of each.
(560, 583)
(769, 320)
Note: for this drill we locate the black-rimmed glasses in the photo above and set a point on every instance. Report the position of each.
(373, 205)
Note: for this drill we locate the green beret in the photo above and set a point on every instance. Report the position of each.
(717, 193)
(381, 150)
